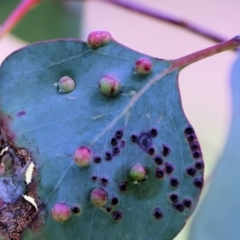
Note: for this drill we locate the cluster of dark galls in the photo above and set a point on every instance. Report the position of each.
(144, 141)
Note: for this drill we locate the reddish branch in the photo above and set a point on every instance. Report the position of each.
(26, 5)
(19, 12)
(231, 44)
(156, 14)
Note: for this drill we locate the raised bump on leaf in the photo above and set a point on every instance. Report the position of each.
(104, 181)
(187, 202)
(117, 215)
(108, 156)
(143, 66)
(178, 206)
(94, 177)
(154, 132)
(144, 141)
(61, 212)
(169, 167)
(159, 173)
(97, 159)
(134, 137)
(114, 201)
(199, 164)
(138, 172)
(109, 209)
(165, 150)
(83, 156)
(98, 38)
(190, 171)
(99, 197)
(151, 151)
(113, 141)
(76, 209)
(109, 85)
(198, 182)
(122, 186)
(173, 197)
(158, 159)
(66, 84)
(174, 181)
(116, 150)
(157, 213)
(119, 134)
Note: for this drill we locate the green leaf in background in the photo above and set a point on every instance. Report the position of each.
(218, 217)
(134, 124)
(49, 20)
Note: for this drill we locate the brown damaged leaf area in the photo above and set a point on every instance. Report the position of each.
(4, 125)
(16, 216)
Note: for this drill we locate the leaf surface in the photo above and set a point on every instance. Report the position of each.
(52, 125)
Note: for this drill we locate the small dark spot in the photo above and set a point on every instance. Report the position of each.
(187, 203)
(94, 178)
(75, 209)
(173, 197)
(165, 150)
(114, 201)
(179, 206)
(119, 134)
(109, 209)
(146, 68)
(108, 156)
(190, 138)
(194, 146)
(190, 171)
(104, 181)
(122, 186)
(113, 141)
(199, 165)
(21, 113)
(122, 144)
(158, 160)
(157, 213)
(145, 141)
(153, 132)
(159, 172)
(189, 130)
(134, 138)
(97, 159)
(198, 182)
(116, 150)
(196, 154)
(174, 181)
(151, 151)
(169, 167)
(117, 215)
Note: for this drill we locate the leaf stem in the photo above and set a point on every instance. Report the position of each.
(19, 12)
(207, 52)
(176, 64)
(156, 14)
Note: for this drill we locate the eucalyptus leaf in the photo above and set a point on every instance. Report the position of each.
(139, 170)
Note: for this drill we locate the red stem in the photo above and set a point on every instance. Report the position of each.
(194, 57)
(19, 12)
(156, 14)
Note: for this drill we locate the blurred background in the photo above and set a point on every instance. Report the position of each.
(204, 86)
